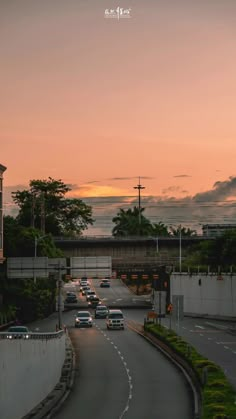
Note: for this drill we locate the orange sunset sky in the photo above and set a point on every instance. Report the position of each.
(98, 102)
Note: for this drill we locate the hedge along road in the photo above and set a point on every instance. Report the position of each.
(120, 375)
(214, 339)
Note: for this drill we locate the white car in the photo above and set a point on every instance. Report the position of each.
(115, 319)
(84, 284)
(83, 319)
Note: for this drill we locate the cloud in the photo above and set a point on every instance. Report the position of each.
(220, 192)
(217, 205)
(171, 189)
(182, 176)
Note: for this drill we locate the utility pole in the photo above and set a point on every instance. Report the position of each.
(139, 187)
(59, 297)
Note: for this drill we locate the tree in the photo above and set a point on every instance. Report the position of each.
(19, 241)
(220, 251)
(131, 223)
(160, 229)
(45, 207)
(185, 232)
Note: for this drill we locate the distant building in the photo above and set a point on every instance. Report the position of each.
(2, 169)
(216, 230)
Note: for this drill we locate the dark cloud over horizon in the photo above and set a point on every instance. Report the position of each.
(217, 205)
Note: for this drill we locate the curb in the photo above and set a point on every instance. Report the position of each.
(54, 400)
(177, 360)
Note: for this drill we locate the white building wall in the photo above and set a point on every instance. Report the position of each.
(29, 370)
(205, 294)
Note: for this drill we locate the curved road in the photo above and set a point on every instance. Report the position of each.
(119, 374)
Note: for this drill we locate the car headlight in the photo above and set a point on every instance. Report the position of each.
(77, 320)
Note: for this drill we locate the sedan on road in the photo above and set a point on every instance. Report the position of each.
(101, 312)
(94, 301)
(83, 319)
(85, 288)
(90, 293)
(71, 299)
(18, 332)
(105, 283)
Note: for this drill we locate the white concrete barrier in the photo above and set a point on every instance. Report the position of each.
(213, 295)
(29, 370)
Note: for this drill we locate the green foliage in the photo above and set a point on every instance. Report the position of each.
(19, 241)
(45, 200)
(131, 223)
(7, 314)
(218, 252)
(182, 231)
(32, 300)
(160, 230)
(217, 393)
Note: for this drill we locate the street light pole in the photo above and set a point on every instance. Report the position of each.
(59, 297)
(180, 249)
(36, 240)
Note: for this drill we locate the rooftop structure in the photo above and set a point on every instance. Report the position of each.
(216, 230)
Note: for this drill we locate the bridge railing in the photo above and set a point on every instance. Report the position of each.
(31, 335)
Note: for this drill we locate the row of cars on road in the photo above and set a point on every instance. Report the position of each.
(83, 318)
(114, 318)
(90, 295)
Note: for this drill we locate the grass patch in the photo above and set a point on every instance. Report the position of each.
(218, 395)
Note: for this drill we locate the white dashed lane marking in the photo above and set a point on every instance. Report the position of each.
(126, 369)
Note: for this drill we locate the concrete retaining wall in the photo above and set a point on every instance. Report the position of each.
(206, 294)
(29, 370)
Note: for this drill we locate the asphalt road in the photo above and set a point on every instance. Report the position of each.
(117, 294)
(120, 375)
(212, 338)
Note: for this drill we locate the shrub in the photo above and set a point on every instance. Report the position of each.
(214, 396)
(218, 396)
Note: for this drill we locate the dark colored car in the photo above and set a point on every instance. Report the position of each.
(85, 288)
(105, 283)
(18, 332)
(71, 294)
(94, 302)
(101, 312)
(71, 299)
